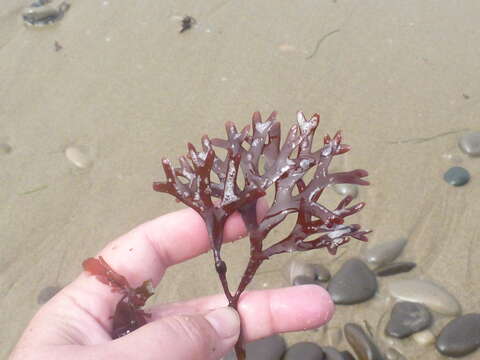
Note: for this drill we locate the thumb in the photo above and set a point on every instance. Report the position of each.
(181, 337)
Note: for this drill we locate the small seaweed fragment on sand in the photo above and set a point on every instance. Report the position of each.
(187, 23)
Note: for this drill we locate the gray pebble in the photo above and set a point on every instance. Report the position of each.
(42, 14)
(347, 355)
(353, 283)
(5, 149)
(269, 348)
(470, 143)
(457, 176)
(460, 337)
(362, 345)
(313, 271)
(346, 189)
(425, 292)
(47, 293)
(395, 268)
(408, 318)
(332, 354)
(385, 252)
(305, 280)
(304, 351)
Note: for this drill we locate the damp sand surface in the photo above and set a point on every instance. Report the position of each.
(91, 102)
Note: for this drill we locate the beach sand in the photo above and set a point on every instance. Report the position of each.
(126, 88)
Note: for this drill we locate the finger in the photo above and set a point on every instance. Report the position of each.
(145, 252)
(177, 337)
(265, 312)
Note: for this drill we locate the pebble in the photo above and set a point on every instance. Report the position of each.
(41, 13)
(78, 156)
(332, 354)
(424, 338)
(394, 354)
(312, 271)
(425, 292)
(347, 355)
(353, 283)
(305, 280)
(361, 343)
(304, 351)
(385, 252)
(47, 293)
(470, 143)
(457, 176)
(346, 189)
(5, 149)
(460, 337)
(395, 268)
(408, 318)
(269, 348)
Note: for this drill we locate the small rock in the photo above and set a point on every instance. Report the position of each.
(42, 14)
(470, 143)
(353, 283)
(385, 252)
(304, 351)
(5, 149)
(305, 280)
(78, 156)
(460, 337)
(312, 271)
(395, 268)
(424, 338)
(47, 293)
(361, 343)
(425, 292)
(332, 354)
(346, 189)
(457, 176)
(269, 348)
(347, 355)
(408, 318)
(394, 354)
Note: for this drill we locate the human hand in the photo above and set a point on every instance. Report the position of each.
(76, 323)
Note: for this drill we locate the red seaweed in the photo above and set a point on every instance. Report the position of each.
(284, 168)
(128, 315)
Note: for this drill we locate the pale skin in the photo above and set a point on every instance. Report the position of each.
(76, 323)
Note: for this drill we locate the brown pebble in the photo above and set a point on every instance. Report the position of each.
(362, 345)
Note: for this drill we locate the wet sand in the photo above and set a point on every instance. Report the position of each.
(126, 89)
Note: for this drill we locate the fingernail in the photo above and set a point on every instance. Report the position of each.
(225, 321)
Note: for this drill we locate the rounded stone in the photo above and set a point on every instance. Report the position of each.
(385, 252)
(78, 156)
(425, 292)
(395, 268)
(304, 351)
(469, 143)
(457, 176)
(424, 338)
(5, 149)
(460, 337)
(394, 354)
(347, 355)
(47, 293)
(332, 354)
(305, 280)
(362, 345)
(353, 283)
(408, 318)
(269, 348)
(313, 271)
(346, 189)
